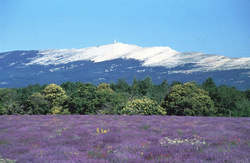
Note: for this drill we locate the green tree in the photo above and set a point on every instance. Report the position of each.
(176, 83)
(231, 102)
(142, 88)
(109, 101)
(8, 102)
(135, 87)
(84, 100)
(247, 94)
(228, 100)
(70, 87)
(209, 84)
(146, 86)
(188, 100)
(23, 94)
(159, 92)
(37, 104)
(122, 86)
(119, 101)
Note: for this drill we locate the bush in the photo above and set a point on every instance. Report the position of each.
(143, 106)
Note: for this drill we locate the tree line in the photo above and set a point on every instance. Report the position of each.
(141, 97)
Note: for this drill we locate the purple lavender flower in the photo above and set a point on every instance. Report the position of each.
(137, 138)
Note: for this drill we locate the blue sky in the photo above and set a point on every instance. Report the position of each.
(211, 26)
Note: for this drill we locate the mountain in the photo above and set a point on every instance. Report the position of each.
(110, 62)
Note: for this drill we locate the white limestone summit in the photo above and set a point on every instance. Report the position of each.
(150, 56)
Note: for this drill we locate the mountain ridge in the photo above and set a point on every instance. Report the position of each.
(109, 62)
(151, 56)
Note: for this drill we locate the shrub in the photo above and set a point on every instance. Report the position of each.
(143, 106)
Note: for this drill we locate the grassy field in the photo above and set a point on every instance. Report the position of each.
(113, 138)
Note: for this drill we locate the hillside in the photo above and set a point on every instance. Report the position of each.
(110, 62)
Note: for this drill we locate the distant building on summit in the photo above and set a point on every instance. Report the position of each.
(114, 41)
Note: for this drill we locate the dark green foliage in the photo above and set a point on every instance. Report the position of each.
(70, 87)
(84, 100)
(119, 101)
(2, 109)
(209, 84)
(175, 83)
(146, 86)
(247, 94)
(89, 99)
(121, 86)
(142, 87)
(110, 102)
(37, 104)
(188, 100)
(80, 98)
(135, 87)
(8, 101)
(231, 102)
(228, 100)
(159, 92)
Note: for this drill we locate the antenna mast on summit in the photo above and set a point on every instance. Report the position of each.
(114, 41)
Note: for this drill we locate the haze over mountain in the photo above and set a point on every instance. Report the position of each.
(110, 62)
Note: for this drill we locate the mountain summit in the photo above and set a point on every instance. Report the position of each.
(109, 62)
(150, 56)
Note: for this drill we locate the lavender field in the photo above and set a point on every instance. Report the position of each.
(113, 138)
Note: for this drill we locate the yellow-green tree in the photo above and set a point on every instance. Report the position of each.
(56, 96)
(104, 87)
(188, 100)
(143, 106)
(52, 92)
